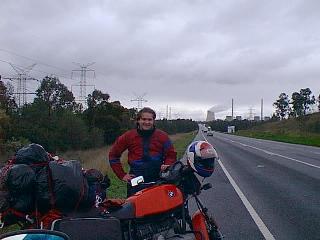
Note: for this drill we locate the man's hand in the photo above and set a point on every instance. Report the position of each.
(128, 177)
(164, 167)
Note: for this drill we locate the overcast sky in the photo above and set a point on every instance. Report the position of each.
(189, 55)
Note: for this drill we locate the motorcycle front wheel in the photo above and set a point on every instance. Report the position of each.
(213, 231)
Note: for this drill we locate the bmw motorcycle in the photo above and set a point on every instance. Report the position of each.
(159, 211)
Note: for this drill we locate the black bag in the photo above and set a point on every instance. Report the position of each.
(33, 153)
(4, 200)
(20, 179)
(23, 202)
(61, 185)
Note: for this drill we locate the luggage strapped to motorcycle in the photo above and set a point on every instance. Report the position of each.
(31, 218)
(34, 217)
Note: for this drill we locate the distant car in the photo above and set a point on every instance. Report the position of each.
(210, 133)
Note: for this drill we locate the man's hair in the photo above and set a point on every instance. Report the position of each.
(146, 110)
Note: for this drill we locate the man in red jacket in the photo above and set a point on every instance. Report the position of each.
(149, 151)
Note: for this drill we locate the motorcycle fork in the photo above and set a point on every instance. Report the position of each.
(210, 221)
(188, 218)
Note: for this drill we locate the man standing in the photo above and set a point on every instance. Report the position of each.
(149, 151)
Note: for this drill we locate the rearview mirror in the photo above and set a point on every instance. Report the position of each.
(32, 234)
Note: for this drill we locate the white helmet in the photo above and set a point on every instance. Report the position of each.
(201, 157)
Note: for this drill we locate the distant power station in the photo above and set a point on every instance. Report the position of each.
(210, 116)
(221, 108)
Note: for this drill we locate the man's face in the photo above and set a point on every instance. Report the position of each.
(146, 121)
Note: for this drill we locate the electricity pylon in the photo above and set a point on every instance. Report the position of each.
(21, 86)
(140, 100)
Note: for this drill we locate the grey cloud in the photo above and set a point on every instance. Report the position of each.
(196, 52)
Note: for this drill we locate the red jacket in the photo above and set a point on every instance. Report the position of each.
(161, 151)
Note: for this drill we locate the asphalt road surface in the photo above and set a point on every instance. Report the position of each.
(264, 189)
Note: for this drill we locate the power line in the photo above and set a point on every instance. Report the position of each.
(32, 59)
(49, 65)
(52, 66)
(34, 70)
(140, 100)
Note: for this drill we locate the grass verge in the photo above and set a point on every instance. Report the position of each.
(305, 139)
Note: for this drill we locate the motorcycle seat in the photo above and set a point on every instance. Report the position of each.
(89, 228)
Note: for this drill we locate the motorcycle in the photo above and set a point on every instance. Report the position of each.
(159, 211)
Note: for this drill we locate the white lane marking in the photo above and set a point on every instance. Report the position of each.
(262, 227)
(276, 154)
(289, 158)
(260, 224)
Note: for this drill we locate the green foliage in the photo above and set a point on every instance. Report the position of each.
(112, 118)
(72, 132)
(9, 147)
(54, 95)
(302, 130)
(181, 143)
(96, 98)
(297, 107)
(301, 102)
(307, 99)
(282, 106)
(222, 126)
(311, 140)
(4, 122)
(7, 102)
(57, 122)
(176, 126)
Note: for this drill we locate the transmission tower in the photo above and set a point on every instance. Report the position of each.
(21, 83)
(140, 100)
(251, 113)
(83, 79)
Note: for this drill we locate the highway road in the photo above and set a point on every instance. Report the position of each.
(264, 189)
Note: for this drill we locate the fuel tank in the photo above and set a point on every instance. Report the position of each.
(156, 200)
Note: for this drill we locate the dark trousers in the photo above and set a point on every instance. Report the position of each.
(132, 190)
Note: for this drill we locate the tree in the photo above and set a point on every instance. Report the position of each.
(282, 106)
(96, 98)
(307, 99)
(319, 103)
(4, 122)
(297, 104)
(7, 102)
(54, 95)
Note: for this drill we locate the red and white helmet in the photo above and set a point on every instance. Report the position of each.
(201, 157)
